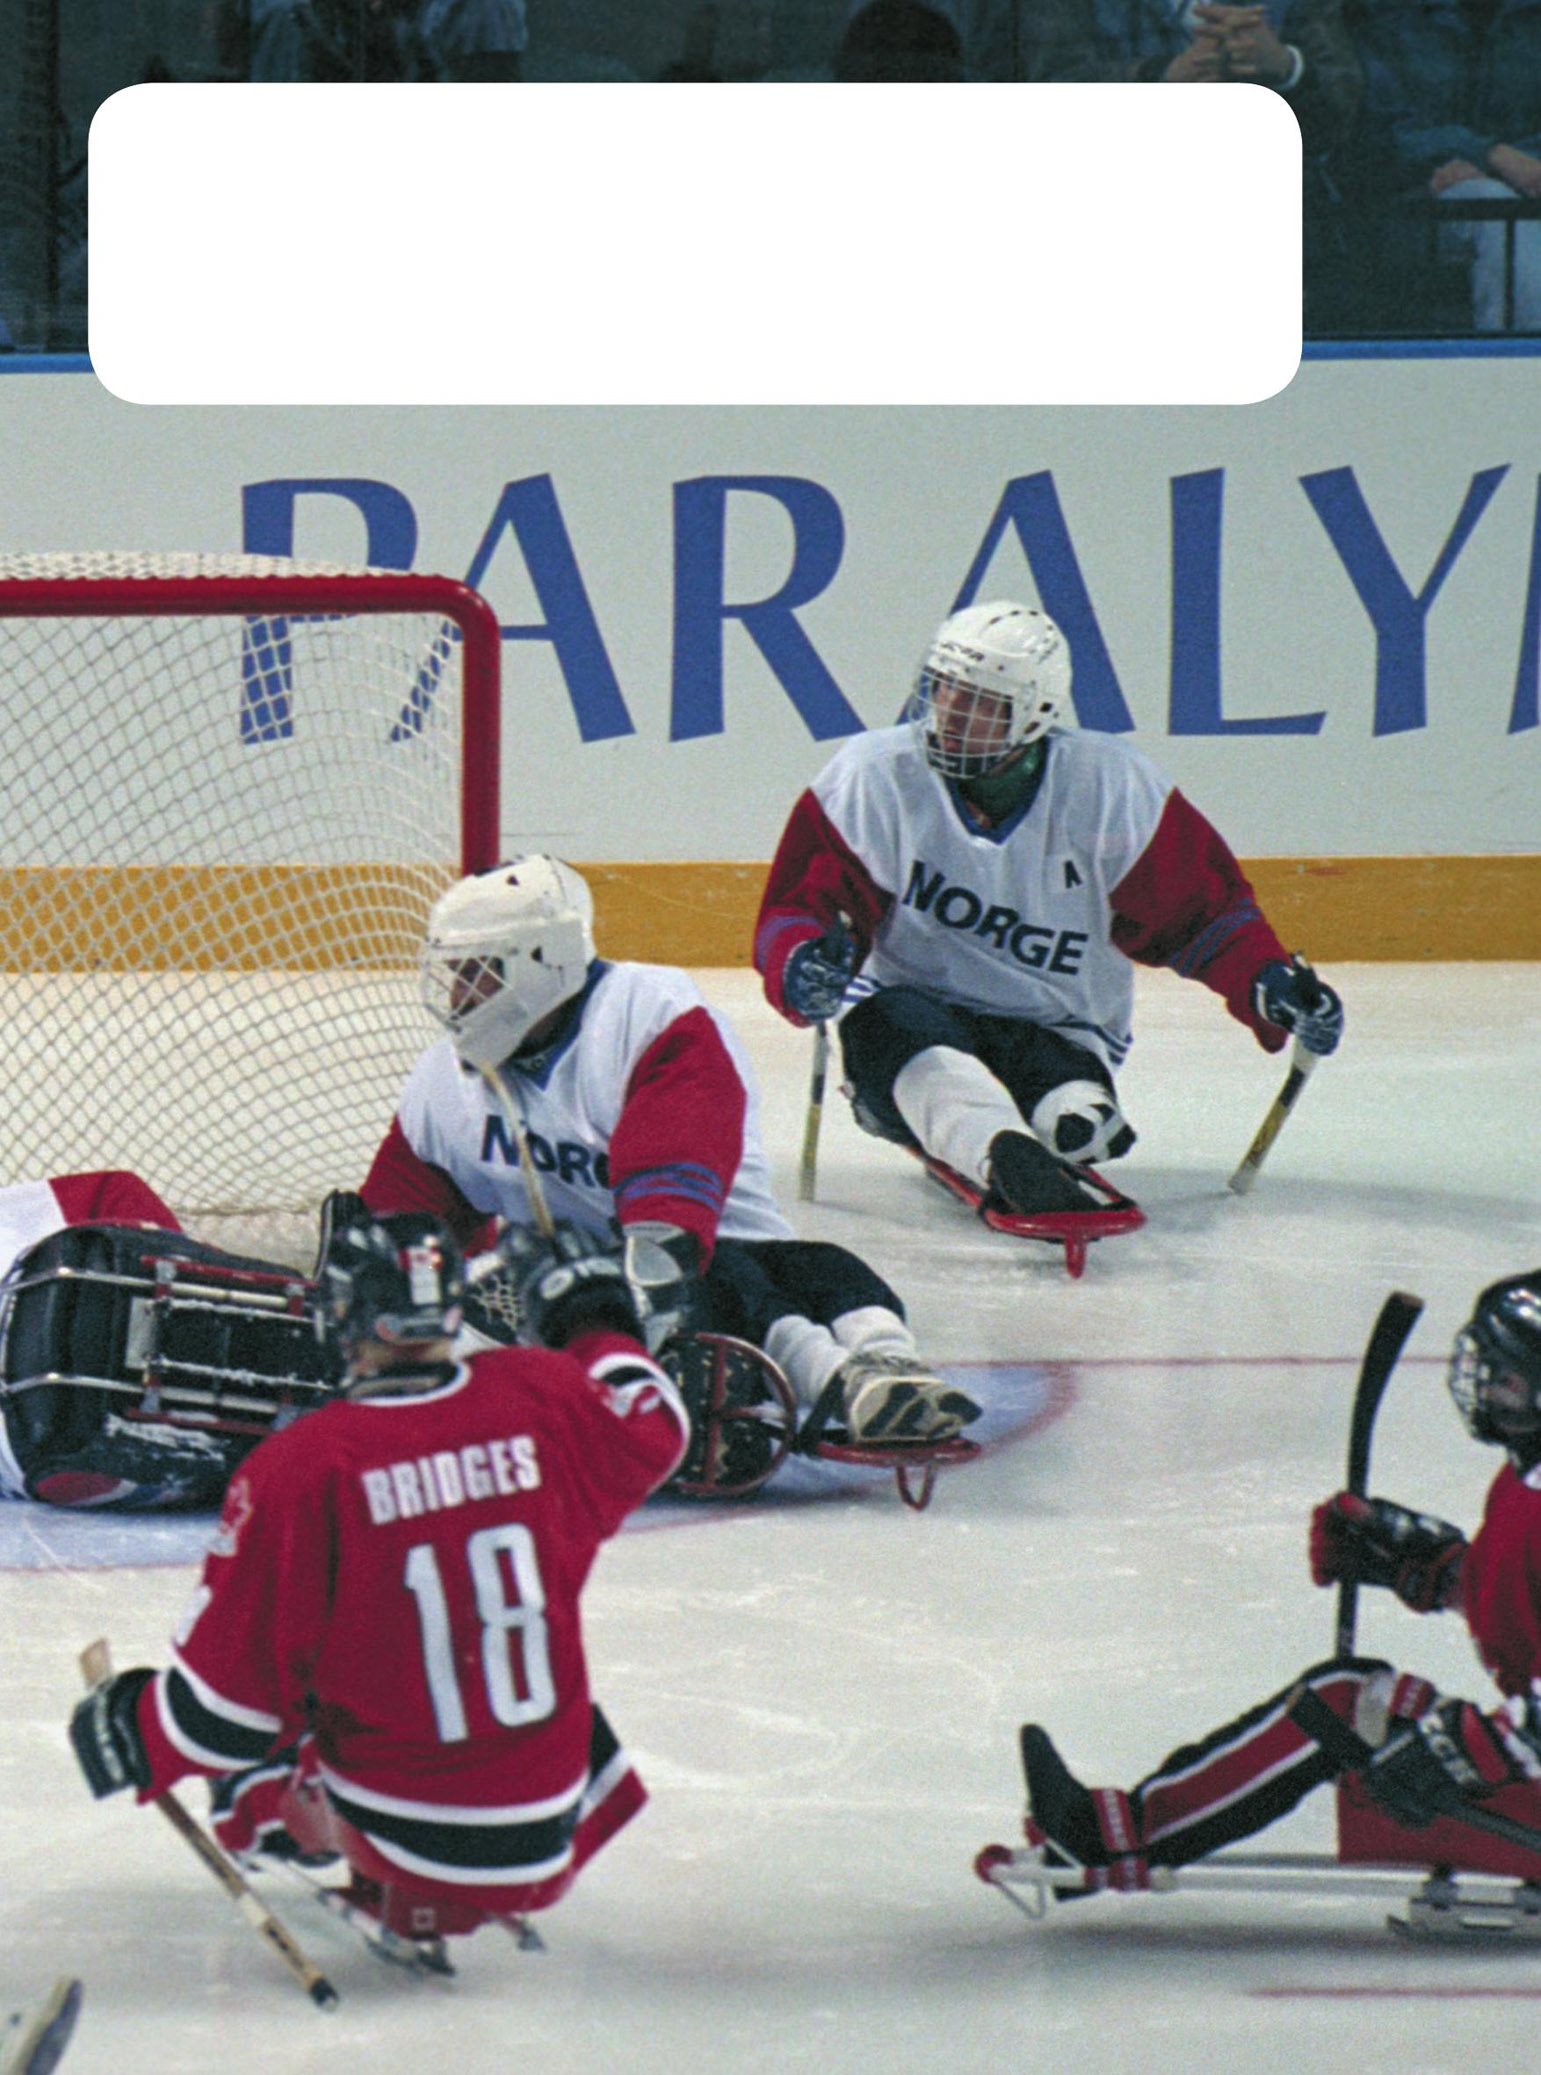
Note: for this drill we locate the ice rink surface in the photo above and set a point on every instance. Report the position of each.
(823, 1692)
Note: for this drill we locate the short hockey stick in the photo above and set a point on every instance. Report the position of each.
(807, 1172)
(96, 1666)
(534, 1188)
(1302, 1066)
(1398, 1315)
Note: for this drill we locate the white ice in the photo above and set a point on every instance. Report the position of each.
(823, 1693)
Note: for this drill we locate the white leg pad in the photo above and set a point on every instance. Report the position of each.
(955, 1106)
(806, 1354)
(873, 1329)
(1079, 1121)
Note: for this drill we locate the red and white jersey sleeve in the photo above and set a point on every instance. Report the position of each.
(645, 1109)
(1036, 917)
(400, 1179)
(34, 1211)
(414, 1565)
(816, 881)
(1501, 1584)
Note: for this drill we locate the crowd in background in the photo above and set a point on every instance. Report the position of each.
(1420, 119)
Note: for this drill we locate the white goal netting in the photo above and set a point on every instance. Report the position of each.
(233, 788)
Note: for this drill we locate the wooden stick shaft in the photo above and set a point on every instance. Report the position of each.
(1398, 1315)
(808, 1170)
(534, 1188)
(96, 1667)
(1302, 1066)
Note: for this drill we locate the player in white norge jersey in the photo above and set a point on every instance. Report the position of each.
(991, 871)
(640, 1114)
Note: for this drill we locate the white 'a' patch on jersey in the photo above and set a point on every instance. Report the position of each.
(571, 1108)
(1013, 920)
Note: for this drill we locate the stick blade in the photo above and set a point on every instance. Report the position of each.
(1388, 1336)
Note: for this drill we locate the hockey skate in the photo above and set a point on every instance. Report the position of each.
(890, 1398)
(1093, 1831)
(34, 2040)
(1034, 1196)
(892, 1412)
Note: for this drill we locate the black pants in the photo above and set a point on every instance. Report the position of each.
(753, 1282)
(881, 1035)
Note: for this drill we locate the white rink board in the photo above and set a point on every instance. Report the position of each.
(823, 1696)
(1374, 514)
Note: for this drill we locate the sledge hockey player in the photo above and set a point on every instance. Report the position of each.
(640, 1111)
(138, 1366)
(384, 1660)
(989, 871)
(1421, 1757)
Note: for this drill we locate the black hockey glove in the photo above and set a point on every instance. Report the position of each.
(663, 1267)
(342, 1207)
(104, 1730)
(815, 977)
(1374, 1542)
(569, 1284)
(1436, 1766)
(1297, 1001)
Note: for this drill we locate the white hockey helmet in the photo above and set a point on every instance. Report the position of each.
(503, 950)
(995, 677)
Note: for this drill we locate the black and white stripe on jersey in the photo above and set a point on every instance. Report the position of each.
(476, 1845)
(209, 1729)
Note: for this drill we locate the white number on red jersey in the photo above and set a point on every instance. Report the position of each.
(507, 1623)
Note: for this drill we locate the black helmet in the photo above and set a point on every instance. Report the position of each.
(397, 1278)
(1495, 1368)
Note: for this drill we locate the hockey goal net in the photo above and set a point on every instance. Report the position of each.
(233, 788)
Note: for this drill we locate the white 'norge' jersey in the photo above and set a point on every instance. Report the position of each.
(1012, 920)
(449, 1116)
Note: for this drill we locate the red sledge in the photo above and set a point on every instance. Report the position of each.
(1106, 1216)
(1453, 1882)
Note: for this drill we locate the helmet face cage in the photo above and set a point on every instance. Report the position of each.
(394, 1279)
(966, 730)
(1495, 1369)
(505, 949)
(994, 679)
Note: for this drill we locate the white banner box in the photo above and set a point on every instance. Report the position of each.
(763, 243)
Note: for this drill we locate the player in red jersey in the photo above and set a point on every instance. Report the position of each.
(990, 873)
(1428, 1756)
(384, 1658)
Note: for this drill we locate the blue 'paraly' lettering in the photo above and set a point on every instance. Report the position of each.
(701, 610)
(1197, 509)
(267, 528)
(1397, 613)
(1030, 504)
(529, 509)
